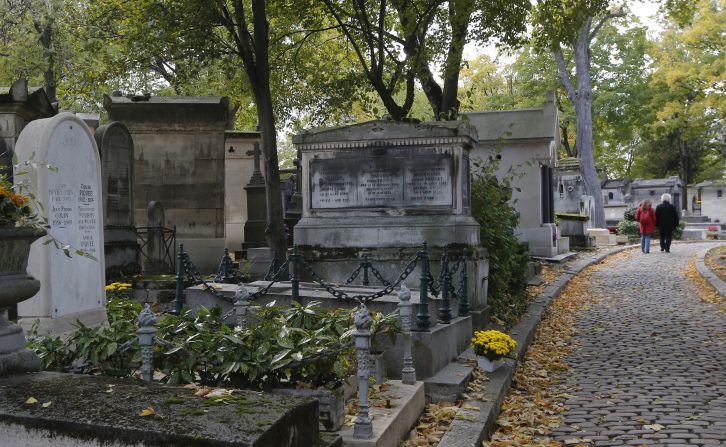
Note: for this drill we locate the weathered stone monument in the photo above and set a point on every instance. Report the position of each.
(239, 166)
(179, 155)
(19, 105)
(117, 172)
(383, 188)
(526, 142)
(255, 192)
(72, 288)
(573, 206)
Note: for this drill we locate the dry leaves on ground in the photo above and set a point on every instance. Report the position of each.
(535, 401)
(706, 292)
(716, 261)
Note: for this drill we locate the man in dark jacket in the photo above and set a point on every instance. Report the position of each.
(666, 219)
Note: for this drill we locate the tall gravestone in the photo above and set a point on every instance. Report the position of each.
(72, 288)
(117, 172)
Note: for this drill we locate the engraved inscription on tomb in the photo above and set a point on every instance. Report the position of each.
(396, 181)
(379, 185)
(428, 182)
(333, 188)
(87, 206)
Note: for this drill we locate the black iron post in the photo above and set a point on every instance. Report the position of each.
(295, 274)
(445, 308)
(423, 322)
(178, 301)
(366, 266)
(464, 297)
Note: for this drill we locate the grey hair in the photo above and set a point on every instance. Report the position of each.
(665, 198)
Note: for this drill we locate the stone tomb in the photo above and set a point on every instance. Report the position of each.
(72, 288)
(383, 188)
(117, 171)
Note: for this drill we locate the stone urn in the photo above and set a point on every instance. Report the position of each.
(16, 286)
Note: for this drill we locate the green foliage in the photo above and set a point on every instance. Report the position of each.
(92, 344)
(283, 346)
(689, 98)
(628, 227)
(508, 257)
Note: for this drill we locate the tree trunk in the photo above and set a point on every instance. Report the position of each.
(685, 172)
(259, 75)
(45, 31)
(583, 109)
(459, 16)
(274, 232)
(581, 99)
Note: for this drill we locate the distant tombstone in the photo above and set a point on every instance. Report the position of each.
(117, 169)
(156, 261)
(71, 288)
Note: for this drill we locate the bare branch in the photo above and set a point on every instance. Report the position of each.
(562, 69)
(612, 15)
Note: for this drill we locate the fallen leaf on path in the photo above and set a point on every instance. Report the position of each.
(146, 412)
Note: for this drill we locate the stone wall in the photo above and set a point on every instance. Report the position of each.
(179, 152)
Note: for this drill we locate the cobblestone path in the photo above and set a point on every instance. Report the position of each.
(649, 367)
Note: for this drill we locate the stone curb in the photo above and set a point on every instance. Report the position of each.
(476, 418)
(708, 274)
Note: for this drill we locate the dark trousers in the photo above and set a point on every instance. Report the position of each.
(666, 237)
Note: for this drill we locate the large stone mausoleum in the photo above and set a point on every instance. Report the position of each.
(383, 188)
(526, 141)
(179, 161)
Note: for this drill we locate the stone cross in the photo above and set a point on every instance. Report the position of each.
(257, 173)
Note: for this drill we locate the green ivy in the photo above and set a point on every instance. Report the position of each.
(491, 207)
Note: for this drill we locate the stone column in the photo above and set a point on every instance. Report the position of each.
(405, 311)
(363, 428)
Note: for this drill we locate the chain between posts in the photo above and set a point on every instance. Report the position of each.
(360, 298)
(423, 322)
(445, 308)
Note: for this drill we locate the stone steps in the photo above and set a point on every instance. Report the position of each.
(449, 383)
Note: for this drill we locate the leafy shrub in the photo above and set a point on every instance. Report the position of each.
(283, 347)
(508, 257)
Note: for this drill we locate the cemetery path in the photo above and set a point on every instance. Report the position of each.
(649, 361)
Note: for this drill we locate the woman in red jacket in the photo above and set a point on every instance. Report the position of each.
(646, 216)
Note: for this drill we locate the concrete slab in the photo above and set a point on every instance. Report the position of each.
(558, 258)
(392, 425)
(449, 383)
(87, 411)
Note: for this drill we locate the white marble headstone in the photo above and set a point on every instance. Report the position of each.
(71, 288)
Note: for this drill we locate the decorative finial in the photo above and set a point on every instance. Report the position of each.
(362, 319)
(404, 294)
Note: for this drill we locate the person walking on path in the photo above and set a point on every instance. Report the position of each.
(666, 219)
(646, 216)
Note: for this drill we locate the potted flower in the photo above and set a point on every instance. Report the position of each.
(19, 227)
(490, 347)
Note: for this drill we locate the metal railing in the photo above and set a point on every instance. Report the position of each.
(296, 263)
(242, 301)
(157, 245)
